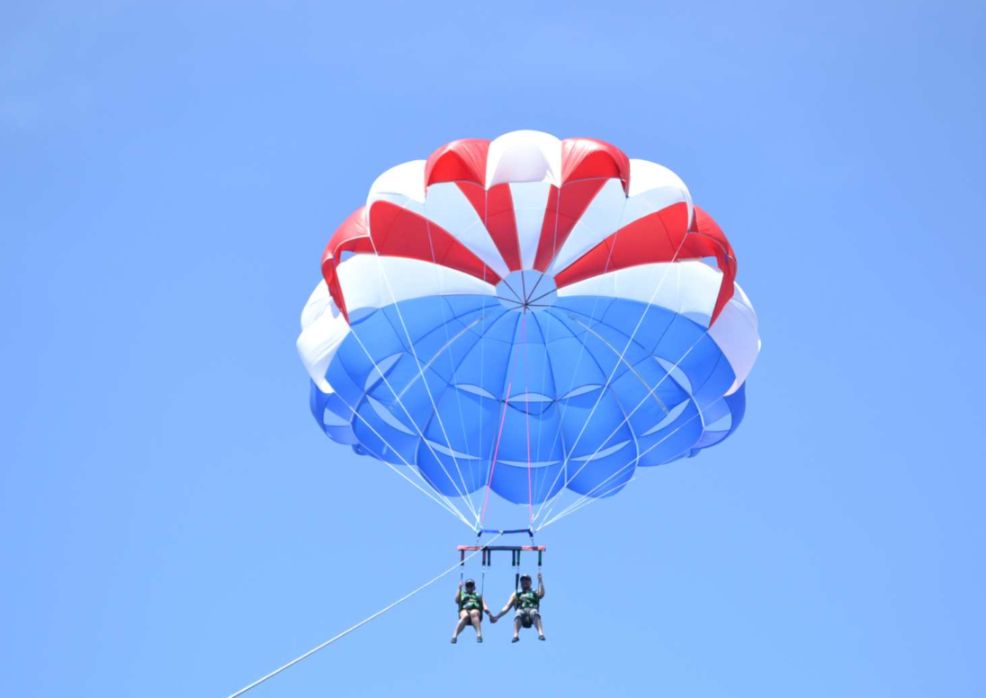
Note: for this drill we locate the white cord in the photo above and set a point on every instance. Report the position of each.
(350, 629)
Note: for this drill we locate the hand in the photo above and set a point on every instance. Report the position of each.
(492, 618)
(539, 576)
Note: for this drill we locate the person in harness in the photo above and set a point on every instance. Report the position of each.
(471, 608)
(527, 603)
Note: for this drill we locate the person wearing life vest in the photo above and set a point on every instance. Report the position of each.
(527, 603)
(471, 605)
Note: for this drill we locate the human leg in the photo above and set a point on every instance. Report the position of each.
(476, 619)
(463, 621)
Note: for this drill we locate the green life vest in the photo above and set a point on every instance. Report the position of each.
(470, 600)
(527, 600)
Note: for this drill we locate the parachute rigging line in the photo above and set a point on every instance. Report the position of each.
(351, 628)
(527, 416)
(441, 499)
(626, 420)
(464, 492)
(582, 353)
(589, 497)
(609, 379)
(400, 403)
(496, 451)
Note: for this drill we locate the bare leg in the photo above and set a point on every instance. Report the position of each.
(463, 621)
(477, 619)
(516, 629)
(540, 628)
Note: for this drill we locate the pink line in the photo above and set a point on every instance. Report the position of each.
(527, 424)
(530, 489)
(496, 452)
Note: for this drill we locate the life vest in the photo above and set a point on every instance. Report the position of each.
(527, 600)
(470, 600)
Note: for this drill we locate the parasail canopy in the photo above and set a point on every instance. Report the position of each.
(530, 321)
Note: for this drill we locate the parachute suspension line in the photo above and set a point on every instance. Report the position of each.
(535, 455)
(554, 246)
(360, 624)
(447, 505)
(483, 564)
(627, 415)
(482, 381)
(609, 379)
(516, 564)
(527, 420)
(456, 393)
(438, 498)
(448, 344)
(612, 373)
(397, 396)
(592, 493)
(421, 435)
(590, 497)
(485, 323)
(549, 506)
(496, 453)
(581, 501)
(478, 425)
(464, 492)
(578, 359)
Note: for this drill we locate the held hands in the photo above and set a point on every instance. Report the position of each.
(493, 616)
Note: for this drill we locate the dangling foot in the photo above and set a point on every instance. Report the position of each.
(516, 639)
(479, 638)
(454, 640)
(540, 637)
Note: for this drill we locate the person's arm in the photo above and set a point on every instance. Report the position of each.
(540, 586)
(458, 595)
(486, 610)
(510, 602)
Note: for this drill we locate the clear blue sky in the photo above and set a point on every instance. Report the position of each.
(174, 523)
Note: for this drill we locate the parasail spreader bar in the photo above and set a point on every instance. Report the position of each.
(487, 551)
(468, 548)
(502, 532)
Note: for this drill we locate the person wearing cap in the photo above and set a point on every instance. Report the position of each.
(527, 603)
(471, 608)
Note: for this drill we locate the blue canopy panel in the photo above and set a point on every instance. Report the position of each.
(583, 392)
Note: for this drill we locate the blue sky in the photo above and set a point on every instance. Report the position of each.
(173, 521)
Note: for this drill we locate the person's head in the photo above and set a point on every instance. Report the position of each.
(525, 582)
(470, 585)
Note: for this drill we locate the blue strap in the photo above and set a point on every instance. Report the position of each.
(502, 532)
